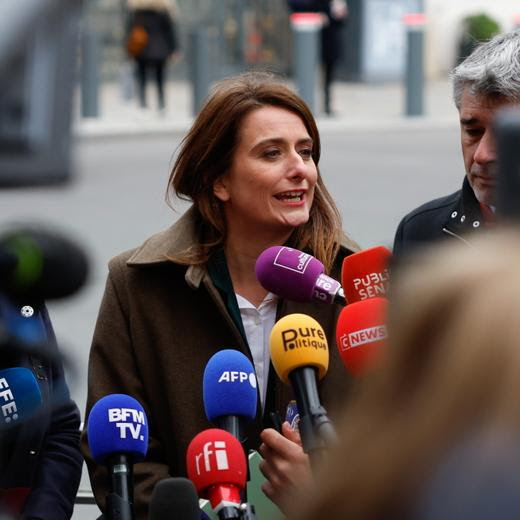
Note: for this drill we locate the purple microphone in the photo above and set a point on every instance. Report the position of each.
(297, 276)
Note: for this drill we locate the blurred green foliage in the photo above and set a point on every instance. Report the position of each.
(476, 28)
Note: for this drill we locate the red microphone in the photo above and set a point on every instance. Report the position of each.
(365, 274)
(361, 334)
(217, 465)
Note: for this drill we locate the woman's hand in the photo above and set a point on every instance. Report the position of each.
(285, 466)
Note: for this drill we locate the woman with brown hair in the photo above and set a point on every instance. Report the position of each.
(249, 165)
(436, 425)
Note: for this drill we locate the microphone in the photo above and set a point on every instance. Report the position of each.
(217, 465)
(300, 353)
(117, 433)
(174, 499)
(361, 333)
(22, 333)
(20, 396)
(230, 391)
(40, 264)
(296, 276)
(365, 274)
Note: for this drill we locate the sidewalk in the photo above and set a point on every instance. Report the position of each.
(357, 106)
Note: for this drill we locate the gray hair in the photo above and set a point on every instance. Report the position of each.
(491, 70)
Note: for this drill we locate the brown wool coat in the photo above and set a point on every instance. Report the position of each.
(158, 325)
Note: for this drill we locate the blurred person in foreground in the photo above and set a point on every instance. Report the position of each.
(40, 459)
(486, 81)
(151, 39)
(434, 431)
(249, 164)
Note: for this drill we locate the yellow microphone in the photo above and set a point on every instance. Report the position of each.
(297, 340)
(300, 356)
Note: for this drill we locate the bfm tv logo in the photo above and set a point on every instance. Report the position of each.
(219, 454)
(9, 409)
(121, 415)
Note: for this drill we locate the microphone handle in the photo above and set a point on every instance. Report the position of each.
(235, 426)
(117, 508)
(232, 424)
(325, 429)
(228, 513)
(303, 382)
(340, 298)
(119, 501)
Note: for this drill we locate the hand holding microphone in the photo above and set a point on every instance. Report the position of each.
(285, 466)
(300, 354)
(118, 437)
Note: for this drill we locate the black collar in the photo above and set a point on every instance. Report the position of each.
(466, 216)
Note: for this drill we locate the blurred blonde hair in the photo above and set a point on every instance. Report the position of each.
(452, 367)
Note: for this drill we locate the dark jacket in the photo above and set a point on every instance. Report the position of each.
(158, 325)
(162, 37)
(331, 32)
(456, 216)
(44, 453)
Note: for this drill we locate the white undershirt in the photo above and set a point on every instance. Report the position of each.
(258, 323)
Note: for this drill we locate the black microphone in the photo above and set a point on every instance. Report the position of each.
(507, 130)
(40, 264)
(174, 499)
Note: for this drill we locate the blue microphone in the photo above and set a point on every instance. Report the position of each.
(230, 391)
(117, 433)
(20, 396)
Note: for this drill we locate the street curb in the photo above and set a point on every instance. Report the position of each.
(95, 129)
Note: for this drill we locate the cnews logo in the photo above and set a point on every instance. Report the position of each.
(303, 337)
(230, 376)
(121, 415)
(9, 409)
(219, 454)
(363, 336)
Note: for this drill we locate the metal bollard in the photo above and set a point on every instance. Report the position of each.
(414, 74)
(200, 76)
(305, 30)
(89, 74)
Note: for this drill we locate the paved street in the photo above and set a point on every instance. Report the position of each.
(117, 199)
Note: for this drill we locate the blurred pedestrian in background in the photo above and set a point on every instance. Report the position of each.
(434, 432)
(334, 14)
(151, 39)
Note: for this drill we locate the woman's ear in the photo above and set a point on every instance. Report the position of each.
(220, 189)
